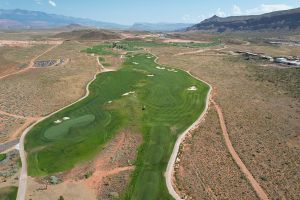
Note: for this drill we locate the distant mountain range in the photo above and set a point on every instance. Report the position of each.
(25, 19)
(280, 20)
(166, 27)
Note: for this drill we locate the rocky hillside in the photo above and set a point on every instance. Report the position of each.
(275, 21)
(88, 35)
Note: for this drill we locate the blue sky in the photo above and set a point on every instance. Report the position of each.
(130, 11)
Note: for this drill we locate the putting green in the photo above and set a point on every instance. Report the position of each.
(60, 130)
(160, 107)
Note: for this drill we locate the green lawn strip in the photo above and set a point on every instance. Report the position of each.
(170, 109)
(161, 108)
(106, 64)
(102, 49)
(2, 156)
(134, 45)
(101, 59)
(8, 193)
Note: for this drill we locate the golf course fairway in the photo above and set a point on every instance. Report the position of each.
(157, 101)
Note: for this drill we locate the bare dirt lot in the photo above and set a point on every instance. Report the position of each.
(9, 169)
(105, 177)
(14, 59)
(40, 91)
(262, 117)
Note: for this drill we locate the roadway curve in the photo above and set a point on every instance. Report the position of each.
(171, 164)
(23, 175)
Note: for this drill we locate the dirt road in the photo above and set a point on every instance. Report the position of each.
(171, 164)
(199, 51)
(258, 189)
(23, 175)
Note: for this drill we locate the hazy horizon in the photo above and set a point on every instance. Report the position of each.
(128, 12)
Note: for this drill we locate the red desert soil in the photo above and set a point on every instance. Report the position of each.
(17, 132)
(258, 189)
(31, 64)
(108, 173)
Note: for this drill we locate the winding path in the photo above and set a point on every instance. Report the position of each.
(255, 185)
(23, 175)
(170, 168)
(171, 164)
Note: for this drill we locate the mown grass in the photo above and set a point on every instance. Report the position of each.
(8, 193)
(161, 108)
(134, 45)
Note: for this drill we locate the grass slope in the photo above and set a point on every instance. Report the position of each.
(2, 157)
(161, 108)
(8, 193)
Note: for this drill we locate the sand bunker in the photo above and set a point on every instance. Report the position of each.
(135, 63)
(158, 67)
(150, 75)
(172, 70)
(128, 93)
(66, 118)
(109, 102)
(193, 88)
(57, 121)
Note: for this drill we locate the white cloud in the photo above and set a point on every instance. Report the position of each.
(192, 19)
(38, 2)
(266, 8)
(236, 10)
(220, 13)
(52, 3)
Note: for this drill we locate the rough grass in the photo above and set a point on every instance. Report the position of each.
(161, 108)
(2, 157)
(8, 193)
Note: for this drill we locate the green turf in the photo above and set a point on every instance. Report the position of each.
(103, 49)
(133, 45)
(8, 193)
(2, 156)
(101, 59)
(62, 129)
(169, 109)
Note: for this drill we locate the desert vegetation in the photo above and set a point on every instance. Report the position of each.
(258, 102)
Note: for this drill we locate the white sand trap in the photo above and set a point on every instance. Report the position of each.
(135, 63)
(122, 56)
(109, 102)
(128, 93)
(57, 121)
(66, 118)
(172, 70)
(17, 147)
(150, 75)
(193, 88)
(149, 57)
(158, 67)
